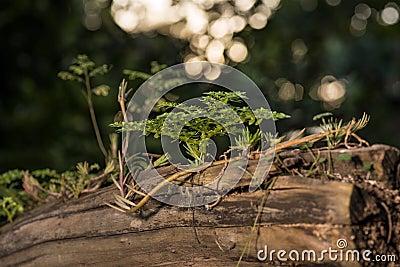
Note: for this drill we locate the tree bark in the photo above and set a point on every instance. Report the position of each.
(300, 213)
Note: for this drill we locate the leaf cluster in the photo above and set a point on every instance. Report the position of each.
(12, 197)
(133, 74)
(332, 124)
(71, 184)
(82, 70)
(14, 200)
(22, 190)
(217, 114)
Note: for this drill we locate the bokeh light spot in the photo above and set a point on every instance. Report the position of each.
(287, 91)
(237, 52)
(215, 51)
(208, 25)
(126, 20)
(331, 90)
(244, 5)
(299, 49)
(333, 2)
(258, 21)
(390, 15)
(362, 11)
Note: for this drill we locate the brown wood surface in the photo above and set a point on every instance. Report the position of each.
(300, 213)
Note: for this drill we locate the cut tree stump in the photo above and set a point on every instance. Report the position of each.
(359, 206)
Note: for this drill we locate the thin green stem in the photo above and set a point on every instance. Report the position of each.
(260, 210)
(93, 114)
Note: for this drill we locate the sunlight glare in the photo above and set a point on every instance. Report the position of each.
(209, 26)
(126, 20)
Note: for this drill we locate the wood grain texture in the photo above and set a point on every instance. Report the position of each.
(300, 213)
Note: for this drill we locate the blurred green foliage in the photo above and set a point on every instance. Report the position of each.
(21, 191)
(45, 122)
(369, 63)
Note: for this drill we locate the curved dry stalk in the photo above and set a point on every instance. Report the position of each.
(168, 180)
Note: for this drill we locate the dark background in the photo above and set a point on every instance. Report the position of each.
(45, 122)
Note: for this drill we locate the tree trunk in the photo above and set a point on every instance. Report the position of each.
(358, 204)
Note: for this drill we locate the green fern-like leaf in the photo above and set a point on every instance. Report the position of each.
(215, 117)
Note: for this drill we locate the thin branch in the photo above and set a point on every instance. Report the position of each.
(93, 114)
(121, 180)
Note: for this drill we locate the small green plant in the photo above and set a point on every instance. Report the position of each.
(10, 208)
(317, 159)
(13, 199)
(23, 190)
(218, 113)
(199, 127)
(87, 178)
(82, 71)
(344, 157)
(202, 127)
(333, 125)
(330, 124)
(368, 166)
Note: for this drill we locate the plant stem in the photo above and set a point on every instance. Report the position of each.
(260, 210)
(121, 175)
(123, 109)
(121, 98)
(93, 114)
(121, 101)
